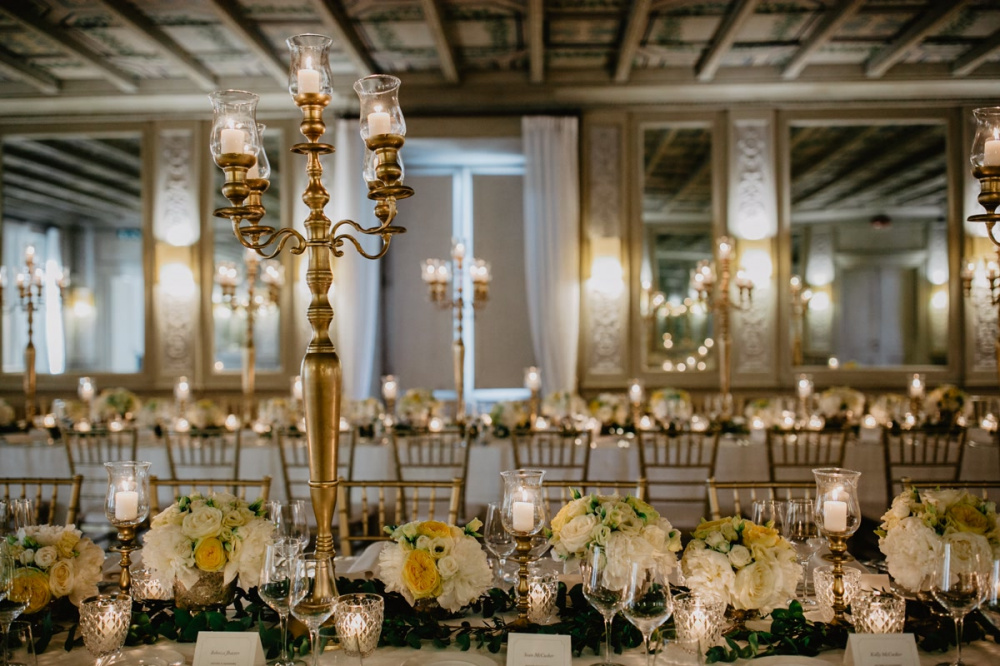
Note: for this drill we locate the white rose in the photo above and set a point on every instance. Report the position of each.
(27, 556)
(89, 564)
(656, 537)
(716, 541)
(248, 552)
(965, 547)
(471, 580)
(168, 551)
(423, 542)
(709, 572)
(759, 586)
(169, 516)
(601, 534)
(739, 556)
(447, 566)
(910, 550)
(46, 556)
(203, 522)
(575, 535)
(577, 507)
(409, 530)
(61, 578)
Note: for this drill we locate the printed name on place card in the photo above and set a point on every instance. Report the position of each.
(881, 650)
(538, 650)
(228, 648)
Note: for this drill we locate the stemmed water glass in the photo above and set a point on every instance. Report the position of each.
(13, 599)
(275, 588)
(959, 586)
(801, 530)
(770, 512)
(604, 594)
(22, 510)
(648, 603)
(313, 594)
(498, 540)
(290, 521)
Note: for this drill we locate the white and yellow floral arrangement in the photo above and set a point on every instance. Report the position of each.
(7, 415)
(610, 408)
(629, 529)
(921, 521)
(433, 560)
(889, 407)
(364, 412)
(670, 404)
(841, 402)
(117, 403)
(509, 414)
(155, 412)
(205, 414)
(54, 562)
(417, 406)
(562, 405)
(945, 404)
(199, 534)
(743, 564)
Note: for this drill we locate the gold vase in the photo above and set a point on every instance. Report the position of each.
(210, 592)
(430, 607)
(738, 618)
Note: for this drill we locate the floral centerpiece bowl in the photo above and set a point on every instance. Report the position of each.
(747, 566)
(433, 564)
(204, 543)
(54, 562)
(921, 521)
(629, 529)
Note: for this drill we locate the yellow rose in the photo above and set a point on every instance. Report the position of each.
(67, 543)
(33, 585)
(420, 574)
(434, 528)
(756, 537)
(61, 578)
(210, 554)
(966, 518)
(703, 530)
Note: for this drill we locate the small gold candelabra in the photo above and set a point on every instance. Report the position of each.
(523, 516)
(126, 506)
(636, 393)
(30, 292)
(272, 274)
(439, 275)
(800, 296)
(713, 289)
(533, 382)
(236, 147)
(985, 159)
(991, 274)
(839, 516)
(390, 391)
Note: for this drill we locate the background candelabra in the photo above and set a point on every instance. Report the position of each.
(272, 274)
(236, 147)
(439, 275)
(31, 282)
(533, 382)
(985, 158)
(989, 271)
(712, 288)
(800, 296)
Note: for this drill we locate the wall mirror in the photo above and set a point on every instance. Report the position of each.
(677, 234)
(246, 288)
(869, 243)
(73, 204)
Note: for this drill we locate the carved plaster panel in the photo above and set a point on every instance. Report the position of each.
(984, 331)
(177, 333)
(176, 221)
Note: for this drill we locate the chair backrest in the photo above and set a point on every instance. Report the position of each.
(557, 494)
(676, 465)
(87, 452)
(563, 454)
(246, 489)
(793, 454)
(56, 500)
(922, 455)
(366, 507)
(203, 454)
(737, 497)
(293, 447)
(988, 490)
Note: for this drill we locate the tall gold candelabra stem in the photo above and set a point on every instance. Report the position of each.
(248, 378)
(458, 345)
(534, 407)
(30, 378)
(523, 554)
(126, 545)
(723, 305)
(989, 198)
(838, 555)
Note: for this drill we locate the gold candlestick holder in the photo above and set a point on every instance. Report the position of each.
(800, 296)
(839, 518)
(126, 546)
(523, 516)
(126, 506)
(837, 556)
(522, 552)
(236, 145)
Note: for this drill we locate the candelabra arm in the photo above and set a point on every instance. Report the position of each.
(282, 236)
(989, 229)
(338, 242)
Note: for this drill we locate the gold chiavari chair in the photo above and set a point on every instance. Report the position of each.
(563, 454)
(742, 494)
(293, 448)
(396, 502)
(923, 455)
(47, 494)
(203, 454)
(676, 465)
(87, 452)
(793, 454)
(432, 456)
(557, 494)
(988, 490)
(242, 488)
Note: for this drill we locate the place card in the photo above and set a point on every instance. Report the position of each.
(537, 650)
(881, 650)
(228, 648)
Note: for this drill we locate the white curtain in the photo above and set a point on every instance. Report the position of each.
(356, 286)
(552, 245)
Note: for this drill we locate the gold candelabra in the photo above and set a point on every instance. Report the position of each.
(985, 158)
(236, 147)
(439, 275)
(533, 382)
(272, 275)
(30, 291)
(800, 297)
(713, 289)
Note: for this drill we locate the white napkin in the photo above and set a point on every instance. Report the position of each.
(365, 562)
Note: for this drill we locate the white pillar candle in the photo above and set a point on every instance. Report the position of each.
(126, 505)
(991, 152)
(253, 172)
(635, 393)
(379, 123)
(390, 388)
(835, 516)
(308, 80)
(297, 388)
(533, 379)
(232, 140)
(182, 389)
(523, 516)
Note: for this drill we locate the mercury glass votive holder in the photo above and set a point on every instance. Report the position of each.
(104, 623)
(823, 583)
(543, 589)
(698, 621)
(358, 618)
(147, 587)
(878, 612)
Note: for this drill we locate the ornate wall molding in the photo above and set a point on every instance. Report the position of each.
(984, 331)
(177, 333)
(176, 220)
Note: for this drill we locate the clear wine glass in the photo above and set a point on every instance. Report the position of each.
(990, 606)
(313, 594)
(801, 529)
(648, 603)
(959, 586)
(293, 523)
(770, 512)
(275, 589)
(498, 540)
(606, 597)
(13, 600)
(22, 510)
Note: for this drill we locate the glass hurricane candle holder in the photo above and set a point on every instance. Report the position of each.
(380, 112)
(698, 621)
(126, 506)
(104, 623)
(838, 514)
(878, 612)
(147, 587)
(523, 515)
(234, 141)
(359, 623)
(986, 141)
(309, 66)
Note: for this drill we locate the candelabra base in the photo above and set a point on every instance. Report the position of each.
(838, 555)
(126, 546)
(522, 555)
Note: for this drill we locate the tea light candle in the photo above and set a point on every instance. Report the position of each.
(523, 516)
(182, 389)
(232, 140)
(297, 388)
(436, 424)
(345, 425)
(532, 379)
(86, 390)
(232, 422)
(635, 393)
(182, 425)
(917, 386)
(835, 516)
(379, 123)
(390, 388)
(308, 79)
(126, 505)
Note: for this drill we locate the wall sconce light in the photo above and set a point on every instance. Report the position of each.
(606, 273)
(177, 280)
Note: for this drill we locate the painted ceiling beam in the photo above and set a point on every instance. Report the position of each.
(831, 22)
(335, 16)
(232, 16)
(435, 23)
(16, 67)
(724, 38)
(536, 40)
(634, 30)
(976, 56)
(938, 14)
